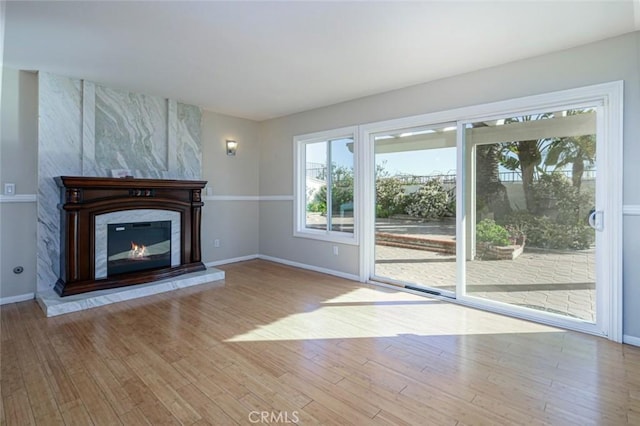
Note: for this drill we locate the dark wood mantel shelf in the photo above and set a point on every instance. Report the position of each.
(84, 198)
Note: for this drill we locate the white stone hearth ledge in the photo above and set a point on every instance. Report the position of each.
(53, 305)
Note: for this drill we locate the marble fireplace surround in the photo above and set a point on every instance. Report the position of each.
(90, 203)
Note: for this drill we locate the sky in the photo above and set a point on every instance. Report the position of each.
(419, 163)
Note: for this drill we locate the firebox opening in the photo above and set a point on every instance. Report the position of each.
(138, 246)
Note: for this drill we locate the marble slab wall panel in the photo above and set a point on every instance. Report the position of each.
(59, 154)
(89, 166)
(131, 133)
(87, 129)
(172, 139)
(189, 150)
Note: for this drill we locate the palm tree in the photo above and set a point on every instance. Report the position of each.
(574, 150)
(525, 156)
(491, 192)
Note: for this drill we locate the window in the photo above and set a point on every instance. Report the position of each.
(325, 198)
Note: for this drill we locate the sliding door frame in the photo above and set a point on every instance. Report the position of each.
(610, 96)
(367, 193)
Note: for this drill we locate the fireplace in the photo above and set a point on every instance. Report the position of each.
(121, 231)
(138, 246)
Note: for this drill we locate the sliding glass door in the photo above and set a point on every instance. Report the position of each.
(513, 207)
(532, 214)
(415, 227)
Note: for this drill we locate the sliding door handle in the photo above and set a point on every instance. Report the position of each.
(596, 220)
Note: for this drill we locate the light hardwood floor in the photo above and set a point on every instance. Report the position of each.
(308, 348)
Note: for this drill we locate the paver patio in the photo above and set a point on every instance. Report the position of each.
(561, 282)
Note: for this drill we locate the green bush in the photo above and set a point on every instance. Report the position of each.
(554, 193)
(544, 232)
(317, 206)
(341, 192)
(430, 201)
(487, 231)
(390, 196)
(559, 220)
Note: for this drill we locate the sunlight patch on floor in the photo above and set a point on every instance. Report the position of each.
(370, 313)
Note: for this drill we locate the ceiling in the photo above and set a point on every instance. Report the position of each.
(260, 60)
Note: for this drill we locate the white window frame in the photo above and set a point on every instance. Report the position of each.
(300, 199)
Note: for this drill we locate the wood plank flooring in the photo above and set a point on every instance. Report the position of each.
(281, 345)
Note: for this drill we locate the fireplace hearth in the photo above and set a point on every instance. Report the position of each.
(121, 231)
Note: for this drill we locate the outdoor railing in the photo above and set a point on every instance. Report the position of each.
(450, 178)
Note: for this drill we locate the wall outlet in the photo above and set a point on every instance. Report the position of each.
(335, 250)
(216, 243)
(9, 189)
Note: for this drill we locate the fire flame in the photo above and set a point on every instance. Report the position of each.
(138, 251)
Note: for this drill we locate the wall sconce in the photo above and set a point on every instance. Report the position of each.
(232, 146)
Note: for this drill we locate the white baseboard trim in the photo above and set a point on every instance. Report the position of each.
(344, 275)
(631, 210)
(18, 298)
(630, 340)
(232, 260)
(20, 198)
(284, 262)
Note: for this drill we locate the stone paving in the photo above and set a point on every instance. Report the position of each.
(561, 282)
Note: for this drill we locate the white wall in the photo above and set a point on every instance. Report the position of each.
(231, 213)
(18, 164)
(608, 60)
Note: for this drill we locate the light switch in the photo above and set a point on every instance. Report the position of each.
(9, 189)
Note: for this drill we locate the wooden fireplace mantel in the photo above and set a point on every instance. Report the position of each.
(84, 198)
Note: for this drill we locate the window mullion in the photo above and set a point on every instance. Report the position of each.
(329, 189)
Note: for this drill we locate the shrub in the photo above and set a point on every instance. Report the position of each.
(430, 201)
(555, 192)
(317, 206)
(544, 232)
(390, 196)
(487, 231)
(559, 220)
(341, 191)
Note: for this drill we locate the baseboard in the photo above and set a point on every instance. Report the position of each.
(351, 277)
(630, 340)
(232, 260)
(284, 262)
(16, 299)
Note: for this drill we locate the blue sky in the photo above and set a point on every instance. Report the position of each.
(419, 163)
